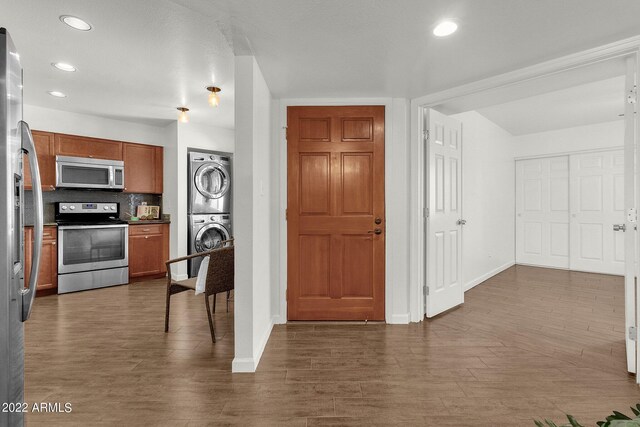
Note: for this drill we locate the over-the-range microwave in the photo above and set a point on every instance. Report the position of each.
(89, 173)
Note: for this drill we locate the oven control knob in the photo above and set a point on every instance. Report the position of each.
(106, 208)
(63, 207)
(72, 207)
(113, 208)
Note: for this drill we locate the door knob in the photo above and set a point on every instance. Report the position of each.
(376, 231)
(378, 220)
(619, 227)
(461, 222)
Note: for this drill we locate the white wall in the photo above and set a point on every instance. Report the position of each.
(47, 119)
(488, 199)
(396, 202)
(591, 137)
(252, 214)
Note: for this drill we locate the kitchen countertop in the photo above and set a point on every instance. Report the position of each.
(149, 221)
(46, 224)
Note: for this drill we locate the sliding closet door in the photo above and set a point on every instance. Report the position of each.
(542, 212)
(597, 204)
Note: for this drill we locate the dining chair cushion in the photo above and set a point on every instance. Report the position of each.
(201, 280)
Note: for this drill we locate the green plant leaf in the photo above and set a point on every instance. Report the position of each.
(538, 423)
(573, 421)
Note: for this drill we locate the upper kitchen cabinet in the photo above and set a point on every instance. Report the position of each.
(82, 146)
(143, 166)
(45, 153)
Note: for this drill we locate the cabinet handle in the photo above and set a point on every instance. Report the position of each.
(146, 229)
(53, 243)
(146, 237)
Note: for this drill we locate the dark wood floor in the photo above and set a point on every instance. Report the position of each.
(527, 343)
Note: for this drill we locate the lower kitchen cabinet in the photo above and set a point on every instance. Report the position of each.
(148, 251)
(48, 272)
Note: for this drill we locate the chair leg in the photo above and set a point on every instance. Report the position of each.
(214, 302)
(228, 296)
(166, 315)
(213, 333)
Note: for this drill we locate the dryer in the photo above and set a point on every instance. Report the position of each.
(206, 233)
(209, 182)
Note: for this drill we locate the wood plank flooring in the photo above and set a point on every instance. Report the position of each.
(527, 343)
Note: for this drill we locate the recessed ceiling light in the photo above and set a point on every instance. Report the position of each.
(64, 67)
(445, 28)
(57, 94)
(75, 22)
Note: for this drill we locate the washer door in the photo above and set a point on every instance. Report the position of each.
(210, 236)
(212, 180)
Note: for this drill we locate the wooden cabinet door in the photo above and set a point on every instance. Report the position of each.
(148, 250)
(48, 271)
(45, 152)
(82, 146)
(142, 168)
(145, 255)
(335, 228)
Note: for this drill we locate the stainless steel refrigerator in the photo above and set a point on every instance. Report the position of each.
(15, 299)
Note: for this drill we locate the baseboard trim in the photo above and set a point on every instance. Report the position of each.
(178, 277)
(399, 319)
(243, 364)
(257, 355)
(250, 364)
(475, 282)
(277, 320)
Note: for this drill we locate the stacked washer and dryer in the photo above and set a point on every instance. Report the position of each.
(210, 192)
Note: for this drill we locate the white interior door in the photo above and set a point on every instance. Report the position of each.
(444, 223)
(597, 204)
(542, 212)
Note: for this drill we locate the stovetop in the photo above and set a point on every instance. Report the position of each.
(88, 213)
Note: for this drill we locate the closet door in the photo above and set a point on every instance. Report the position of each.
(542, 212)
(597, 203)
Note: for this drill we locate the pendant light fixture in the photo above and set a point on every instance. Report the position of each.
(183, 117)
(214, 98)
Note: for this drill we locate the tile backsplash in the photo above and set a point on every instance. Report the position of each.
(128, 201)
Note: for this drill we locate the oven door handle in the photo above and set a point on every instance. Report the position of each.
(29, 148)
(86, 227)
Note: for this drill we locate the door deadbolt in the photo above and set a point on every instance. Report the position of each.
(378, 220)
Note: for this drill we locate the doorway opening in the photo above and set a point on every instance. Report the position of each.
(548, 179)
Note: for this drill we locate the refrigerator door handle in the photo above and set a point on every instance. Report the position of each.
(29, 148)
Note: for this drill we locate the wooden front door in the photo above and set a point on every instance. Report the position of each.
(335, 215)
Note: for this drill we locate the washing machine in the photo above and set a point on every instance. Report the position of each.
(209, 182)
(206, 233)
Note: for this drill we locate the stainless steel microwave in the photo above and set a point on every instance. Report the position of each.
(81, 172)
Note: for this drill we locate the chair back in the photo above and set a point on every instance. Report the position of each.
(220, 274)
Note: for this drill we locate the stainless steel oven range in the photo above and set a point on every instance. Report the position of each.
(92, 246)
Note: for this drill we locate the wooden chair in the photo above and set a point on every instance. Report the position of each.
(220, 278)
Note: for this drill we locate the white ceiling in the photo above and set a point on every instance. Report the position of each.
(141, 60)
(591, 103)
(145, 57)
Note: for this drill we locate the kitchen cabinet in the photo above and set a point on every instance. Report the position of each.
(48, 272)
(148, 251)
(82, 146)
(143, 166)
(45, 152)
